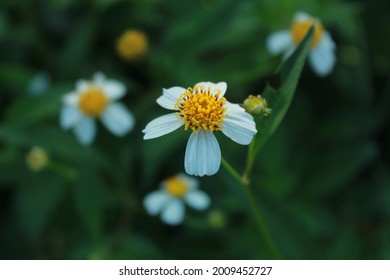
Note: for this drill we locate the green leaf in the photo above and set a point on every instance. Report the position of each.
(36, 202)
(50, 137)
(89, 198)
(346, 246)
(335, 168)
(14, 77)
(137, 247)
(78, 48)
(280, 95)
(33, 109)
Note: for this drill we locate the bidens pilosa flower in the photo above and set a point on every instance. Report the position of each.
(96, 99)
(322, 54)
(169, 199)
(204, 110)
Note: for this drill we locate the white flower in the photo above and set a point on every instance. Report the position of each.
(96, 99)
(39, 83)
(169, 199)
(322, 55)
(204, 110)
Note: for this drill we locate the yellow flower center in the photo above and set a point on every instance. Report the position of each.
(132, 45)
(93, 101)
(200, 108)
(299, 30)
(176, 186)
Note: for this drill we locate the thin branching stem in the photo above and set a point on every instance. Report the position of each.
(244, 183)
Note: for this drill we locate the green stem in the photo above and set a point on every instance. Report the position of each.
(261, 223)
(249, 162)
(232, 172)
(254, 208)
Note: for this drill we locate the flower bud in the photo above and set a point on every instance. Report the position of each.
(217, 219)
(256, 106)
(37, 159)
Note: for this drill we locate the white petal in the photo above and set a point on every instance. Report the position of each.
(117, 119)
(214, 88)
(173, 212)
(203, 155)
(161, 126)
(71, 98)
(302, 16)
(221, 87)
(326, 41)
(155, 201)
(166, 102)
(173, 92)
(169, 97)
(82, 85)
(114, 89)
(69, 116)
(191, 181)
(197, 199)
(238, 125)
(85, 131)
(232, 107)
(279, 42)
(99, 78)
(205, 85)
(322, 58)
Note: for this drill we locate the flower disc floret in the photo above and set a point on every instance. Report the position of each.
(93, 101)
(200, 108)
(176, 186)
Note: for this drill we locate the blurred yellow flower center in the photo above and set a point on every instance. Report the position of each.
(132, 45)
(176, 187)
(93, 101)
(200, 108)
(300, 28)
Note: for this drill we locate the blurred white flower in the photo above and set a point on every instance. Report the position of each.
(96, 99)
(204, 110)
(39, 83)
(322, 55)
(170, 198)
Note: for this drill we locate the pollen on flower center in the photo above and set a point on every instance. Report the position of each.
(200, 108)
(93, 101)
(299, 29)
(176, 187)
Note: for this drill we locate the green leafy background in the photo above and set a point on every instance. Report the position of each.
(322, 180)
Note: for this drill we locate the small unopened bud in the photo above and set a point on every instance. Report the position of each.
(37, 159)
(217, 219)
(256, 106)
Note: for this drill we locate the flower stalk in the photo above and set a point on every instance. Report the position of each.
(244, 183)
